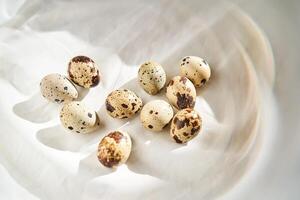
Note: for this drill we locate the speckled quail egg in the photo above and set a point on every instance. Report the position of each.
(114, 149)
(57, 88)
(181, 92)
(83, 71)
(152, 77)
(78, 118)
(185, 125)
(196, 69)
(156, 115)
(123, 104)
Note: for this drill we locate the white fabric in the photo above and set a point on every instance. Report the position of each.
(41, 160)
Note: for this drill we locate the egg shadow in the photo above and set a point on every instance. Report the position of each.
(37, 109)
(150, 146)
(82, 92)
(57, 137)
(90, 167)
(153, 153)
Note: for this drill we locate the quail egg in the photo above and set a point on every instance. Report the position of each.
(114, 149)
(57, 88)
(181, 92)
(196, 69)
(78, 118)
(156, 115)
(83, 71)
(185, 125)
(123, 103)
(152, 77)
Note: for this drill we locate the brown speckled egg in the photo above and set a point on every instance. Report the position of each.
(57, 88)
(84, 72)
(114, 149)
(185, 125)
(123, 104)
(78, 118)
(196, 69)
(181, 92)
(156, 115)
(152, 77)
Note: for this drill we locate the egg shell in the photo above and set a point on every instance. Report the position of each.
(57, 88)
(114, 149)
(196, 69)
(152, 77)
(123, 104)
(84, 72)
(181, 92)
(156, 115)
(78, 118)
(185, 125)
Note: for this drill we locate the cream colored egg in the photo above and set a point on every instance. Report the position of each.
(185, 125)
(123, 104)
(152, 77)
(196, 69)
(83, 71)
(181, 92)
(114, 149)
(78, 118)
(156, 115)
(57, 88)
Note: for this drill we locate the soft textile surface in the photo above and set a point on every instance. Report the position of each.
(41, 160)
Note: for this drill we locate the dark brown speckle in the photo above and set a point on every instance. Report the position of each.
(133, 105)
(83, 59)
(171, 83)
(117, 136)
(185, 101)
(195, 130)
(124, 105)
(109, 107)
(95, 80)
(183, 79)
(181, 123)
(177, 140)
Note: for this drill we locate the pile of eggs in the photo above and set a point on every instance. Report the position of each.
(74, 115)
(114, 148)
